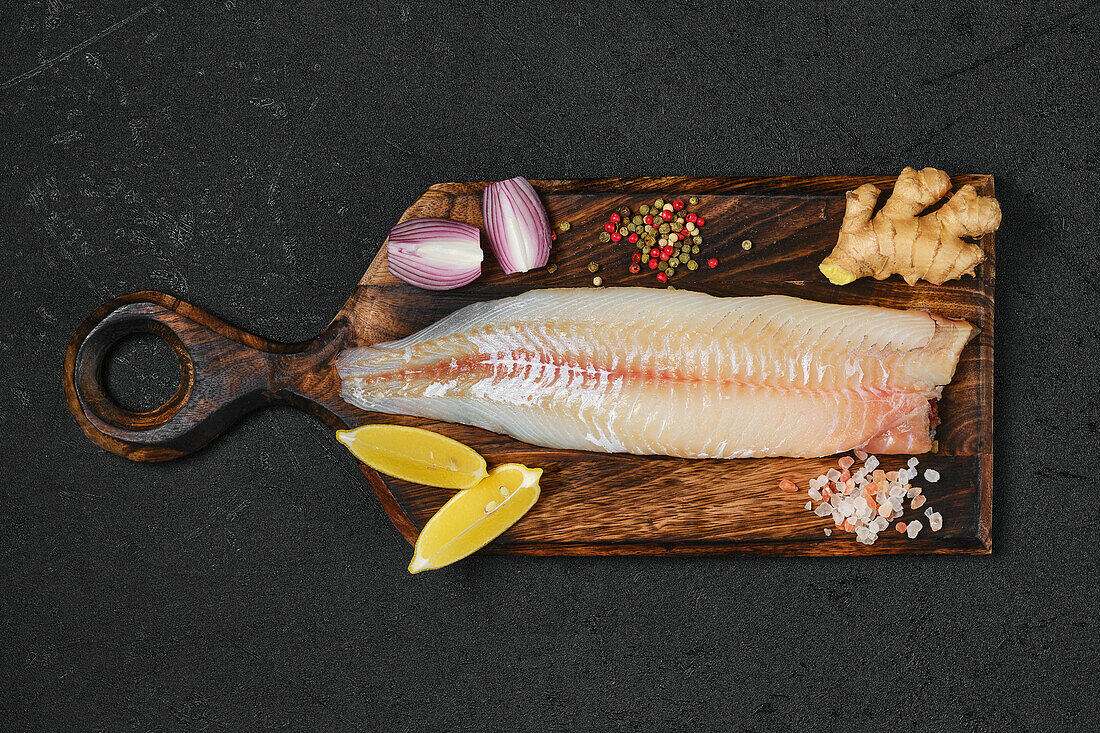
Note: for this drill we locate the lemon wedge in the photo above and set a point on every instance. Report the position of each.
(415, 455)
(475, 517)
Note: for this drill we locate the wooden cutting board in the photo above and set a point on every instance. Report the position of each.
(591, 504)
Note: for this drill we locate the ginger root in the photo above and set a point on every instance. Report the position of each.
(899, 240)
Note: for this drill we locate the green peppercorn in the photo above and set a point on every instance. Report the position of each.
(593, 266)
(552, 268)
(649, 229)
(605, 237)
(695, 250)
(694, 200)
(697, 239)
(659, 204)
(677, 226)
(638, 220)
(645, 257)
(673, 261)
(623, 231)
(631, 228)
(665, 229)
(670, 271)
(643, 209)
(662, 266)
(624, 212)
(747, 244)
(564, 226)
(693, 265)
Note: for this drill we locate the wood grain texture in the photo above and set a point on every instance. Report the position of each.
(591, 503)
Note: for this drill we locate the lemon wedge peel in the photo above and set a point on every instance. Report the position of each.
(474, 517)
(416, 455)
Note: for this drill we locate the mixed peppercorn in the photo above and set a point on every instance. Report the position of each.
(665, 234)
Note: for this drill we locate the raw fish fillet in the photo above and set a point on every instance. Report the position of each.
(670, 372)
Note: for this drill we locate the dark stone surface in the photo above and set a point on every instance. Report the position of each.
(249, 157)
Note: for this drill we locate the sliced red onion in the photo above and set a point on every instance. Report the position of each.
(435, 254)
(518, 227)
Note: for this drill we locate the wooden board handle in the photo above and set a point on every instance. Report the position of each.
(224, 374)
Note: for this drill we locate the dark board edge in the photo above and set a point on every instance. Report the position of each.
(792, 185)
(848, 547)
(985, 509)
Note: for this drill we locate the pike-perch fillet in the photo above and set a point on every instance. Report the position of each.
(671, 372)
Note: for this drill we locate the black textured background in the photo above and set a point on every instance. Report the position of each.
(249, 157)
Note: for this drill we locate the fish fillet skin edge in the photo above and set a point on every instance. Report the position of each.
(670, 372)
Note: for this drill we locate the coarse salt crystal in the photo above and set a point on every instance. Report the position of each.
(931, 475)
(871, 463)
(913, 528)
(846, 508)
(828, 532)
(860, 454)
(896, 491)
(880, 524)
(912, 462)
(913, 491)
(814, 494)
(832, 474)
(928, 512)
(918, 501)
(823, 510)
(935, 521)
(809, 505)
(845, 462)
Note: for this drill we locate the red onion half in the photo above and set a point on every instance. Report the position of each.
(518, 227)
(435, 254)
